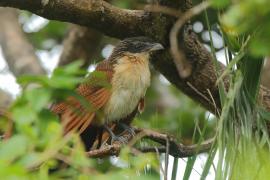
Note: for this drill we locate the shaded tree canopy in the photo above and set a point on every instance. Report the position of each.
(121, 23)
(187, 63)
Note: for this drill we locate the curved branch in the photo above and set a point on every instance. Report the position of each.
(176, 149)
(183, 66)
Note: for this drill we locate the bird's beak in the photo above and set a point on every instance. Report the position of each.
(156, 47)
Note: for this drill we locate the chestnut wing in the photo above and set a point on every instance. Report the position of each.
(77, 114)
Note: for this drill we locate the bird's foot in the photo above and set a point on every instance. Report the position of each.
(115, 138)
(127, 128)
(120, 139)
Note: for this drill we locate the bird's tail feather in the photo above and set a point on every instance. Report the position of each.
(90, 135)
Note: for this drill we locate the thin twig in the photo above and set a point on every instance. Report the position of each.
(48, 153)
(214, 103)
(67, 161)
(176, 149)
(198, 92)
(183, 66)
(107, 150)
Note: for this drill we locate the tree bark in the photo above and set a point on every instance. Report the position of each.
(18, 52)
(176, 149)
(92, 13)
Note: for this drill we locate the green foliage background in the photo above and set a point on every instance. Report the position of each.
(37, 148)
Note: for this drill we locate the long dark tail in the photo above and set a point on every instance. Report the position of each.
(90, 135)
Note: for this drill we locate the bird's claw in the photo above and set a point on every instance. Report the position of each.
(127, 128)
(120, 139)
(131, 131)
(115, 138)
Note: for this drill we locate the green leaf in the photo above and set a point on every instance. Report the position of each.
(28, 79)
(220, 3)
(65, 81)
(13, 148)
(189, 167)
(38, 98)
(13, 171)
(98, 79)
(70, 69)
(251, 69)
(209, 163)
(175, 168)
(53, 33)
(260, 41)
(264, 114)
(28, 159)
(23, 115)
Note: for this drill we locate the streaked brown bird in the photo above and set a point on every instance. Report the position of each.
(127, 72)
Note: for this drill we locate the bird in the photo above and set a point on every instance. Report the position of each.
(114, 91)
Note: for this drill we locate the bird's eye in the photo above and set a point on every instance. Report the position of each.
(138, 46)
(135, 44)
(141, 46)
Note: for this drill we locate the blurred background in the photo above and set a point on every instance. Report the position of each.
(33, 45)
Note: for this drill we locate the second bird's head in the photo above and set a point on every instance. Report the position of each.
(135, 46)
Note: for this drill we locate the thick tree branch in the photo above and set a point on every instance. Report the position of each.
(18, 52)
(154, 25)
(92, 13)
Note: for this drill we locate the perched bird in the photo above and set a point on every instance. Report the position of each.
(127, 75)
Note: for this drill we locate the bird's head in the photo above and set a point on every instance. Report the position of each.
(135, 46)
